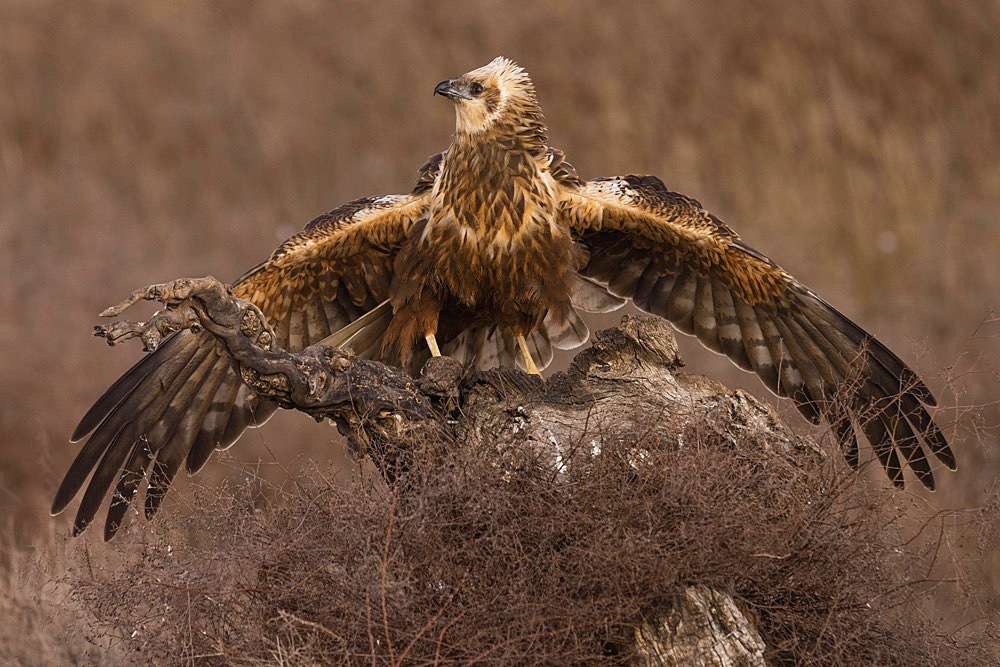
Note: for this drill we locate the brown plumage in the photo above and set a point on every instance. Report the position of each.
(501, 243)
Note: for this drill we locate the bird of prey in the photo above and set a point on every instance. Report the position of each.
(491, 258)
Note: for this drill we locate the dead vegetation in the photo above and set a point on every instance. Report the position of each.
(472, 568)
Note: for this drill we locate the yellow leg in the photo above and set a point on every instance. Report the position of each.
(529, 363)
(433, 345)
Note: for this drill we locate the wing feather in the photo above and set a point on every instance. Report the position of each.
(808, 396)
(644, 286)
(121, 411)
(755, 346)
(128, 433)
(789, 377)
(706, 328)
(117, 392)
(590, 297)
(201, 429)
(185, 400)
(674, 259)
(624, 278)
(680, 303)
(730, 334)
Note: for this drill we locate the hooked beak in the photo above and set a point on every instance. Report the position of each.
(447, 89)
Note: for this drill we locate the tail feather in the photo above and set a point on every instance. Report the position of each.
(501, 346)
(540, 348)
(568, 333)
(365, 332)
(591, 297)
(466, 347)
(482, 347)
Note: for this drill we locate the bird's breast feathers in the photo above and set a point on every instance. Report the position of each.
(493, 213)
(493, 227)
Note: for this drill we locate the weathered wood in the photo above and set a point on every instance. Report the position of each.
(627, 382)
(702, 627)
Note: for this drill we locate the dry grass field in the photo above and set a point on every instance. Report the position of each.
(856, 143)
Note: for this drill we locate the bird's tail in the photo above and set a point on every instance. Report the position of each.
(489, 347)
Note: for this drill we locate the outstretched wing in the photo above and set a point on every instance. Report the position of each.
(185, 400)
(676, 260)
(334, 271)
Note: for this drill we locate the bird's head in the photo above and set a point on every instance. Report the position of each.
(484, 96)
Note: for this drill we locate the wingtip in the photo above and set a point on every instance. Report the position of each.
(940, 448)
(56, 508)
(62, 500)
(110, 530)
(82, 520)
(926, 479)
(80, 432)
(79, 526)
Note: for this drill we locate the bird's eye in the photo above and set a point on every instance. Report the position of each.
(476, 89)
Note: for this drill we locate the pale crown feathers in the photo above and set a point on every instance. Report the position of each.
(487, 94)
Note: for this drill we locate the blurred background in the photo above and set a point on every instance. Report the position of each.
(856, 143)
